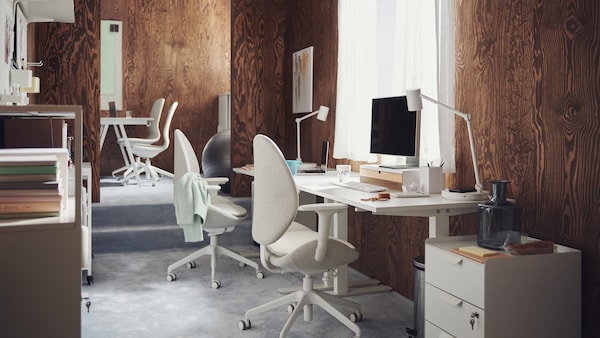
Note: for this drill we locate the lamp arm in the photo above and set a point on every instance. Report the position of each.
(478, 185)
(461, 114)
(467, 118)
(298, 120)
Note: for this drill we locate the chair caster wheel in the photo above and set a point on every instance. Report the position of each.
(260, 275)
(241, 264)
(216, 284)
(171, 277)
(291, 307)
(191, 265)
(356, 317)
(244, 324)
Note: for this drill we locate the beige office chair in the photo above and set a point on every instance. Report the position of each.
(222, 214)
(153, 136)
(289, 247)
(149, 151)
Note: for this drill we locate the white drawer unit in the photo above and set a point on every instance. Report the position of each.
(516, 296)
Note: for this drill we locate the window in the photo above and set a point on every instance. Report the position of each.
(385, 48)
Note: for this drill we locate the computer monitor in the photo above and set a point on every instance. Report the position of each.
(395, 130)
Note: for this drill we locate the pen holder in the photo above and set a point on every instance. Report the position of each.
(431, 180)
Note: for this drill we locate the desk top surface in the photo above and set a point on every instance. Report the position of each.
(125, 120)
(322, 185)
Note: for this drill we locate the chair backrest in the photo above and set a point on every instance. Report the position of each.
(155, 113)
(185, 159)
(275, 196)
(167, 127)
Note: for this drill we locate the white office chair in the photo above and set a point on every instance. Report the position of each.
(152, 137)
(222, 214)
(149, 151)
(289, 247)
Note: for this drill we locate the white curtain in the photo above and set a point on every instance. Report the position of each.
(385, 48)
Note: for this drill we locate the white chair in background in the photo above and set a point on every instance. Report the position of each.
(153, 135)
(289, 247)
(222, 215)
(150, 151)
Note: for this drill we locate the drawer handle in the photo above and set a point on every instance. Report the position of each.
(450, 299)
(453, 260)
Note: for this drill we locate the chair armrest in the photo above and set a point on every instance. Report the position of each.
(216, 180)
(213, 189)
(325, 212)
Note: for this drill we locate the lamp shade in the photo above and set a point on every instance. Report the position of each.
(322, 113)
(413, 99)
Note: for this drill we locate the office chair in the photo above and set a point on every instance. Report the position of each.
(149, 151)
(222, 215)
(152, 137)
(289, 247)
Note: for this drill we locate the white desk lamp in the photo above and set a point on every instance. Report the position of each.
(321, 116)
(414, 102)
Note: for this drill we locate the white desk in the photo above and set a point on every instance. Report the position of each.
(435, 207)
(119, 124)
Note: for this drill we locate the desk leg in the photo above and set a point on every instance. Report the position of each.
(439, 226)
(340, 230)
(129, 153)
(103, 132)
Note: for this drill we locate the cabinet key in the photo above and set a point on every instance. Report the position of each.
(472, 321)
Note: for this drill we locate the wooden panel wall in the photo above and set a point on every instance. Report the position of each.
(179, 50)
(258, 50)
(71, 71)
(528, 71)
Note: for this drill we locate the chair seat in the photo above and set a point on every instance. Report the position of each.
(229, 208)
(296, 236)
(147, 150)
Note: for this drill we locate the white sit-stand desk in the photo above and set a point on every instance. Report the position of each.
(435, 207)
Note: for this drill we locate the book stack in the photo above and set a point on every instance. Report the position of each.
(29, 186)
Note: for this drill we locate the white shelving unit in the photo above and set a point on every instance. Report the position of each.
(40, 288)
(516, 296)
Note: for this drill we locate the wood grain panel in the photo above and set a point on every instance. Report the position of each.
(257, 102)
(71, 71)
(528, 71)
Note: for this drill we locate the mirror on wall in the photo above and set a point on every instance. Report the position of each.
(111, 65)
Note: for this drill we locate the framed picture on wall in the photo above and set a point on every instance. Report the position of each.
(303, 80)
(20, 52)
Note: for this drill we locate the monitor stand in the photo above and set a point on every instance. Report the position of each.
(401, 166)
(411, 163)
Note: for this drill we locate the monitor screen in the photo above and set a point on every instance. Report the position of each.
(394, 129)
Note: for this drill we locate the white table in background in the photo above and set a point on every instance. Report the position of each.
(437, 209)
(119, 124)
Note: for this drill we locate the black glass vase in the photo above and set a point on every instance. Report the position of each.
(499, 220)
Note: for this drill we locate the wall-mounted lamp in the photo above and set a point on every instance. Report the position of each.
(414, 102)
(321, 116)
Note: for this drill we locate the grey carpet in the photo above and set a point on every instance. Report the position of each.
(135, 239)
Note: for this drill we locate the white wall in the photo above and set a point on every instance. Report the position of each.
(5, 26)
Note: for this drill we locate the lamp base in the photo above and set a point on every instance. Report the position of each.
(466, 196)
